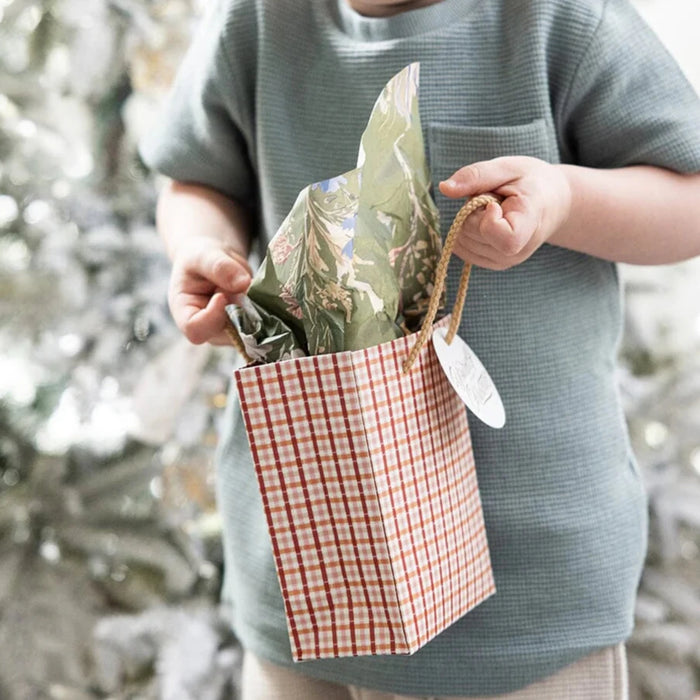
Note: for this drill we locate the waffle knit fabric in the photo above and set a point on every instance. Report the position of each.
(273, 96)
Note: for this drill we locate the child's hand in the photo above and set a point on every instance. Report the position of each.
(205, 278)
(536, 200)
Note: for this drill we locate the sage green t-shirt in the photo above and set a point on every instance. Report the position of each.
(274, 95)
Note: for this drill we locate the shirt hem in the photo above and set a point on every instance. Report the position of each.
(505, 674)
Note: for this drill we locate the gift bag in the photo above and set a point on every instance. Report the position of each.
(365, 466)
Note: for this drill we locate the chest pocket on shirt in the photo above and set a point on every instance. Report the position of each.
(451, 147)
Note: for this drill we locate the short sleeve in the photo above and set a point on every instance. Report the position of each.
(200, 136)
(629, 102)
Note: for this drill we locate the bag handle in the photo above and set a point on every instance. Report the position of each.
(467, 209)
(236, 340)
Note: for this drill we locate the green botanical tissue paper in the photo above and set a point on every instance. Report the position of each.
(352, 265)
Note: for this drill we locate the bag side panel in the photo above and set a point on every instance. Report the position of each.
(418, 435)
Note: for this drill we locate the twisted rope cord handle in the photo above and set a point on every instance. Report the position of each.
(236, 340)
(467, 210)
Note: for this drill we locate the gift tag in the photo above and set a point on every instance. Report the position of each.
(469, 379)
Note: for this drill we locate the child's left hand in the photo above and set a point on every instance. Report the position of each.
(536, 201)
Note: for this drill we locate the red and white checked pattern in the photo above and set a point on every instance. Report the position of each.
(369, 488)
(416, 425)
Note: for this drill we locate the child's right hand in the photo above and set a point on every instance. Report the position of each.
(206, 235)
(206, 277)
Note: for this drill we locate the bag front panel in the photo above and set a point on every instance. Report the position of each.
(306, 433)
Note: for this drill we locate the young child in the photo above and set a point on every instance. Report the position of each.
(571, 111)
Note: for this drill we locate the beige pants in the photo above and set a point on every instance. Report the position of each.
(600, 676)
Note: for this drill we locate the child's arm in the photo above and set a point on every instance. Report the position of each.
(638, 214)
(207, 238)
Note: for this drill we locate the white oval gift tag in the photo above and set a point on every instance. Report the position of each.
(469, 379)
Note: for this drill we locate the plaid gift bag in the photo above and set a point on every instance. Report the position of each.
(365, 466)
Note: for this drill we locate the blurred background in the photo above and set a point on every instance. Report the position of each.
(110, 559)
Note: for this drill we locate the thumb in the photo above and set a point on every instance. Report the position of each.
(228, 271)
(479, 178)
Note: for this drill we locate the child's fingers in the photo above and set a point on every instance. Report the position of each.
(483, 257)
(487, 240)
(490, 228)
(508, 230)
(523, 218)
(478, 253)
(479, 178)
(473, 243)
(226, 270)
(201, 318)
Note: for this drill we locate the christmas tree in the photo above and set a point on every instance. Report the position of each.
(110, 556)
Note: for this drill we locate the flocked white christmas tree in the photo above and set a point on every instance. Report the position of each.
(109, 538)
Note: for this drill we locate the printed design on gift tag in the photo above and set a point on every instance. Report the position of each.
(469, 379)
